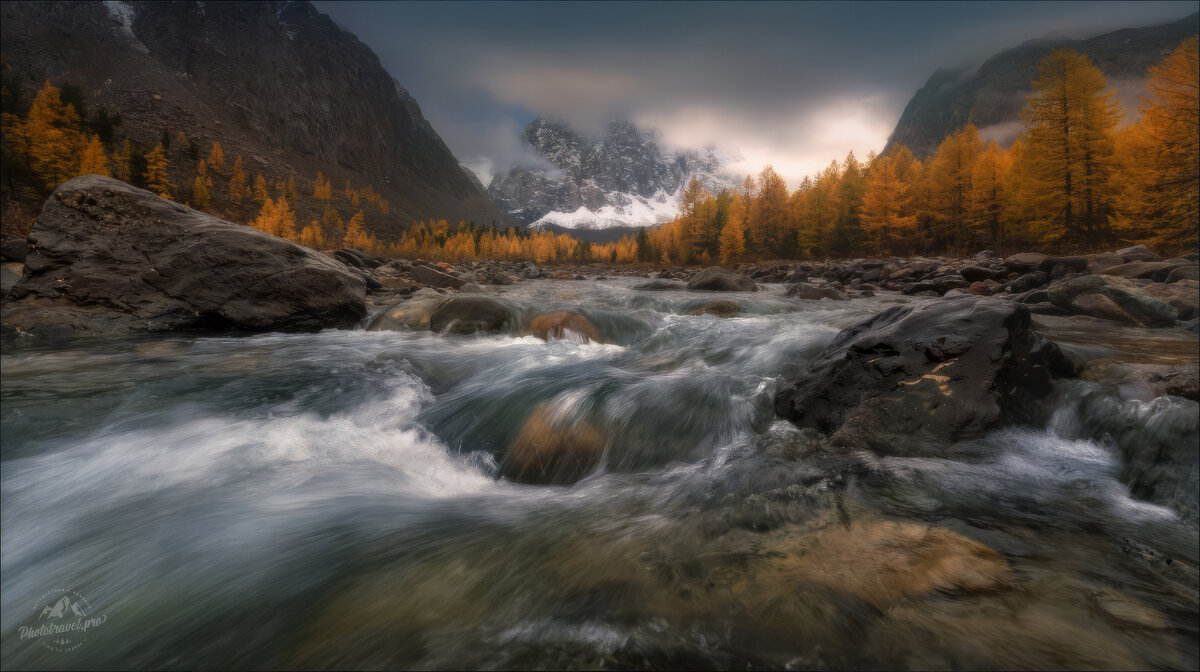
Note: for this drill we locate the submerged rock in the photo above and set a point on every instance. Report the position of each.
(564, 325)
(915, 378)
(722, 308)
(108, 257)
(553, 449)
(814, 293)
(472, 314)
(717, 279)
(659, 286)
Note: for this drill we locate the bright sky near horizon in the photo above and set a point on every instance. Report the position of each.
(794, 85)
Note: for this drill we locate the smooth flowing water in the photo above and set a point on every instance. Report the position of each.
(335, 500)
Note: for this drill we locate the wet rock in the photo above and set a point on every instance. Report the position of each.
(108, 257)
(723, 308)
(717, 279)
(977, 274)
(985, 287)
(1182, 295)
(10, 275)
(472, 314)
(660, 286)
(1189, 272)
(1137, 269)
(553, 448)
(884, 561)
(1111, 298)
(813, 293)
(1137, 253)
(915, 378)
(1182, 380)
(1098, 263)
(412, 314)
(432, 277)
(567, 326)
(1029, 281)
(12, 248)
(1024, 262)
(562, 275)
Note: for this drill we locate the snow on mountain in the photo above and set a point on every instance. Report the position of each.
(622, 179)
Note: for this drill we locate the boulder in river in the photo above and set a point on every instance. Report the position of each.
(720, 308)
(814, 293)
(717, 279)
(106, 257)
(471, 314)
(564, 325)
(12, 248)
(659, 286)
(432, 277)
(553, 449)
(1111, 298)
(914, 378)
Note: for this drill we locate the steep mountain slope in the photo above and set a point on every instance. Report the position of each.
(992, 96)
(277, 83)
(617, 182)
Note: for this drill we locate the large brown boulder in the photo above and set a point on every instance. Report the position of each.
(916, 378)
(106, 257)
(564, 325)
(553, 449)
(472, 314)
(717, 279)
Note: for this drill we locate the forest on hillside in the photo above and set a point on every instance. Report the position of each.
(1076, 180)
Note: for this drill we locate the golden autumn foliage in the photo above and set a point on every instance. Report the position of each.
(237, 182)
(322, 189)
(156, 174)
(276, 218)
(201, 187)
(887, 219)
(216, 157)
(93, 161)
(48, 138)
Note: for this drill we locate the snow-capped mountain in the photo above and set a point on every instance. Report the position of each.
(623, 179)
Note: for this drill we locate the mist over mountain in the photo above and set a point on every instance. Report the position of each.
(623, 179)
(991, 96)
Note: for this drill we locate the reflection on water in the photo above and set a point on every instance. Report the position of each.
(336, 500)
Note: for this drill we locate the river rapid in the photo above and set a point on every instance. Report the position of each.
(334, 500)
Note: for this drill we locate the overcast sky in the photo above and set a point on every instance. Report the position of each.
(790, 84)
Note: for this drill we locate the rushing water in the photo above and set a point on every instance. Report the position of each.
(334, 500)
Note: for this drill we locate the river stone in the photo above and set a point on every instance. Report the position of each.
(1137, 253)
(1182, 380)
(567, 326)
(1123, 300)
(427, 275)
(975, 274)
(1137, 269)
(1189, 272)
(10, 275)
(914, 378)
(717, 279)
(1024, 262)
(12, 248)
(412, 314)
(1182, 295)
(552, 449)
(1098, 263)
(813, 293)
(659, 286)
(471, 314)
(108, 257)
(721, 308)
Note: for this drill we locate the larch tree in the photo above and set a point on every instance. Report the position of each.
(769, 214)
(322, 189)
(887, 222)
(201, 187)
(733, 235)
(237, 182)
(989, 195)
(260, 189)
(356, 233)
(689, 214)
(1069, 128)
(122, 158)
(289, 190)
(1158, 176)
(216, 157)
(847, 229)
(157, 179)
(50, 135)
(93, 161)
(951, 189)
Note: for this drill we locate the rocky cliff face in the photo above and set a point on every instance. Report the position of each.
(278, 83)
(992, 96)
(620, 180)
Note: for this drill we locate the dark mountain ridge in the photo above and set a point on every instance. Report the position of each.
(994, 93)
(278, 83)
